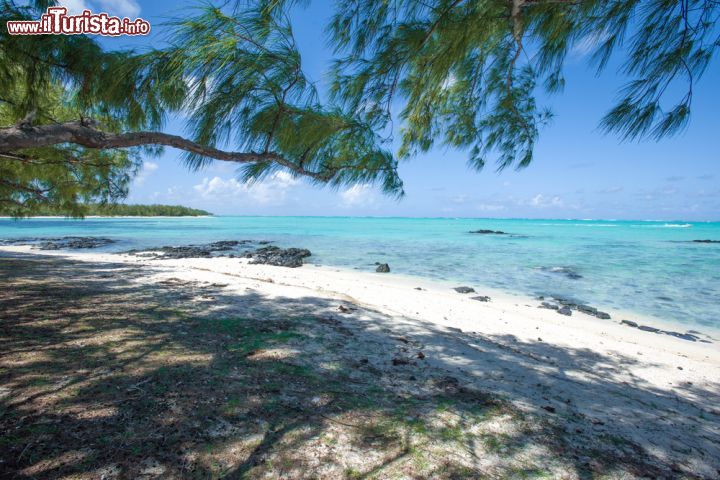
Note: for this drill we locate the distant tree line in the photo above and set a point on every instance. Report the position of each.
(115, 210)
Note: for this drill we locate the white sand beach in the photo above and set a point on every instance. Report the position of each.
(600, 376)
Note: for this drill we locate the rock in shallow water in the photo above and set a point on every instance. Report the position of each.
(565, 311)
(383, 268)
(488, 232)
(569, 272)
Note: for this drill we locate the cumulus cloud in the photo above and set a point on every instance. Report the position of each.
(361, 195)
(273, 191)
(121, 8)
(543, 201)
(74, 7)
(147, 169)
(488, 207)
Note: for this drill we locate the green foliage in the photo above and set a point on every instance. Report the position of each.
(459, 73)
(246, 87)
(62, 176)
(114, 210)
(467, 71)
(236, 77)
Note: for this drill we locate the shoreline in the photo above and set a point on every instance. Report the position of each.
(594, 376)
(437, 302)
(506, 297)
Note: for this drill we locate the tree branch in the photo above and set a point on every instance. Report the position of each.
(84, 134)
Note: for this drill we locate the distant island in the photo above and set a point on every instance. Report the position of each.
(118, 210)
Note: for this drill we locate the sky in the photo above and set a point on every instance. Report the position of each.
(578, 171)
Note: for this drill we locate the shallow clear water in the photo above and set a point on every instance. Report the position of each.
(647, 267)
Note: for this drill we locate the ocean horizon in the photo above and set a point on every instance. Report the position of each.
(653, 267)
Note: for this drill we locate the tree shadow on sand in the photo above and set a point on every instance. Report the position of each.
(104, 375)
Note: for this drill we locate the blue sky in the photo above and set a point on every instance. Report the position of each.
(578, 171)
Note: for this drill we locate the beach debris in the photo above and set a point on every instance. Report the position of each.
(382, 268)
(464, 289)
(481, 298)
(419, 288)
(488, 232)
(272, 255)
(565, 311)
(344, 309)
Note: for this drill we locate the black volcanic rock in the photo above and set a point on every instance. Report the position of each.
(569, 272)
(481, 298)
(383, 268)
(60, 243)
(706, 241)
(488, 232)
(464, 289)
(279, 257)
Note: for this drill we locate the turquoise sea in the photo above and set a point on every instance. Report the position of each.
(648, 267)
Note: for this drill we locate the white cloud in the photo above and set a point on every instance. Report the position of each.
(586, 45)
(147, 169)
(542, 201)
(490, 207)
(75, 7)
(361, 195)
(122, 8)
(449, 82)
(273, 191)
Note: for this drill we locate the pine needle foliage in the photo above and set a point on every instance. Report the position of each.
(465, 73)
(459, 73)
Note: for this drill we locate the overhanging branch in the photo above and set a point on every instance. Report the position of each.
(85, 134)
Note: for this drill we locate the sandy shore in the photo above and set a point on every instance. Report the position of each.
(604, 378)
